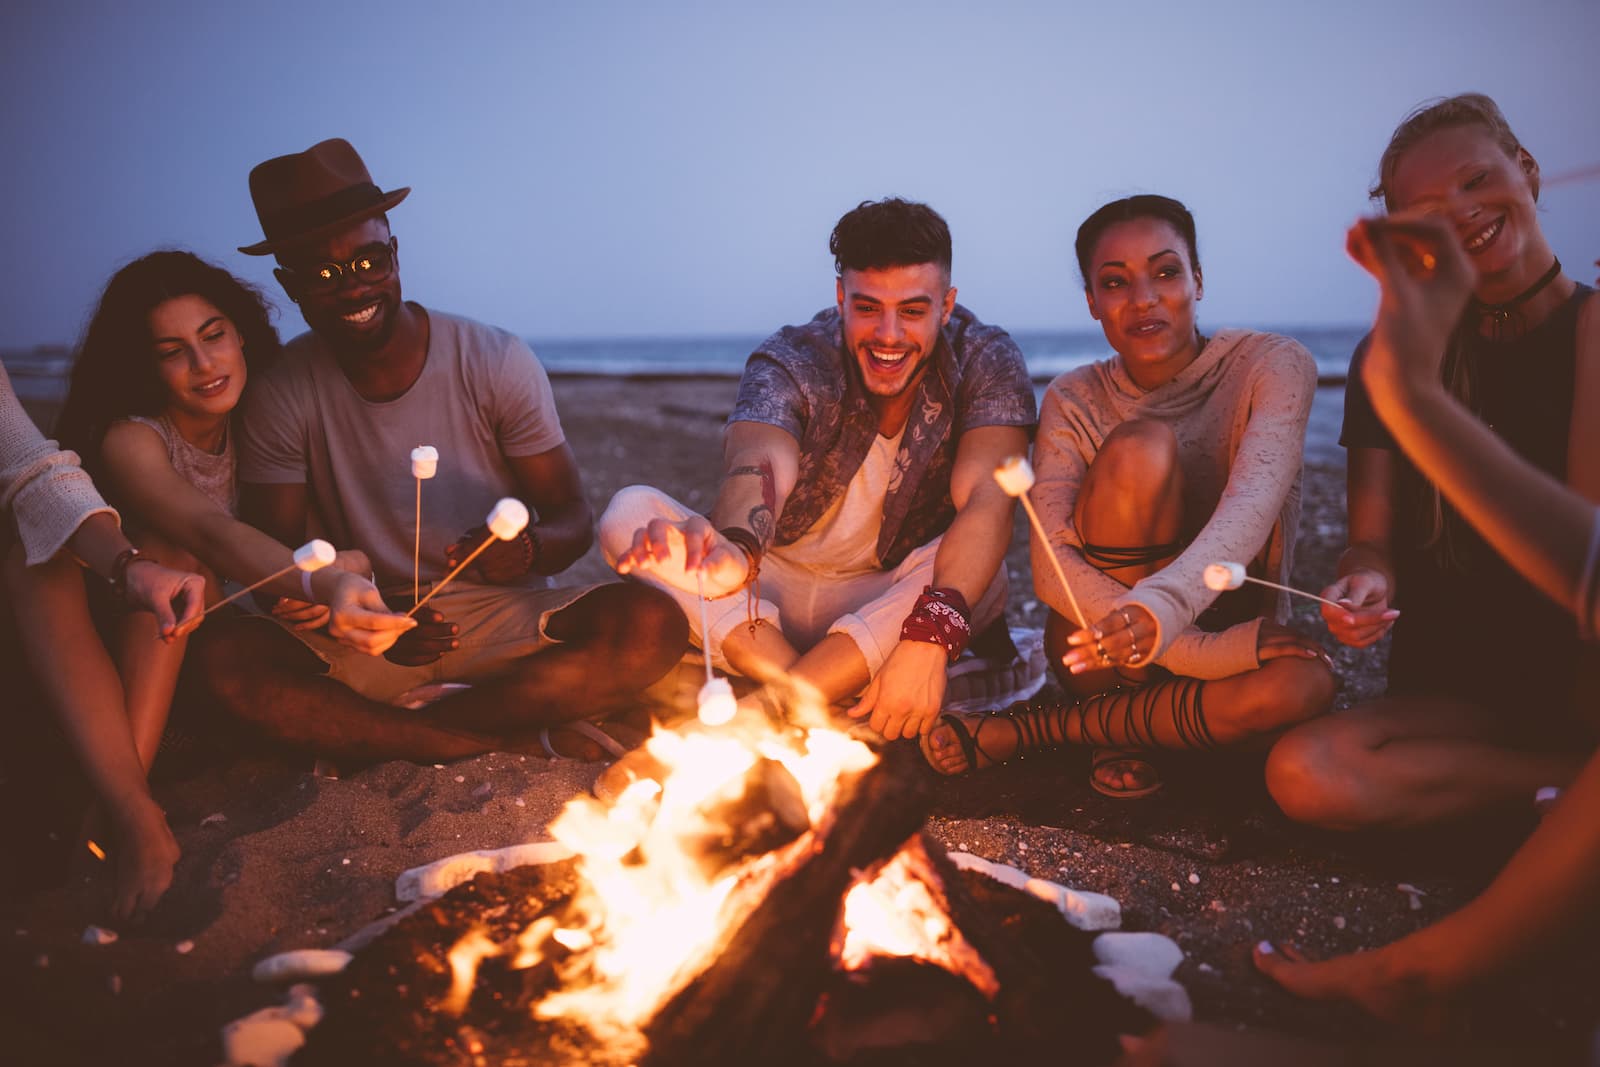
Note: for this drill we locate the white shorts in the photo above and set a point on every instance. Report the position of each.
(806, 605)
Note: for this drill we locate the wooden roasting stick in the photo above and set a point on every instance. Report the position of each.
(1015, 476)
(508, 519)
(424, 465)
(1222, 576)
(311, 556)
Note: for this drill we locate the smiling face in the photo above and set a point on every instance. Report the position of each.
(356, 315)
(1142, 290)
(1463, 173)
(891, 318)
(199, 359)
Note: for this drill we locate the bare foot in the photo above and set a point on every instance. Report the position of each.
(943, 749)
(1121, 772)
(145, 854)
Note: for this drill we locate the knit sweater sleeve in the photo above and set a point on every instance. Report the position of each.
(43, 489)
(1273, 403)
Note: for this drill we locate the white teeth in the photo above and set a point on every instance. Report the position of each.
(886, 357)
(1483, 238)
(364, 315)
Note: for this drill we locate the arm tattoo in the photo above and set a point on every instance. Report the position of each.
(761, 517)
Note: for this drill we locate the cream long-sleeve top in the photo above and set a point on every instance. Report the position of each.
(43, 490)
(1239, 413)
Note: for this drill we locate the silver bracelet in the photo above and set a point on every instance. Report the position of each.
(1588, 581)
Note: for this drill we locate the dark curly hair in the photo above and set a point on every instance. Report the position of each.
(114, 374)
(1143, 206)
(889, 233)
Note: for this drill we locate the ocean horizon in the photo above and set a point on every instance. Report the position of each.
(40, 374)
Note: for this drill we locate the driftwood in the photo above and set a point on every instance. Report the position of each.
(755, 998)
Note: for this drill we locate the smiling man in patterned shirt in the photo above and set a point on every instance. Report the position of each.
(858, 515)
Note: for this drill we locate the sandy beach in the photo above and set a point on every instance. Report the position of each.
(276, 857)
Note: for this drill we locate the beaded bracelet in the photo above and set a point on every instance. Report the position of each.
(119, 569)
(750, 545)
(940, 617)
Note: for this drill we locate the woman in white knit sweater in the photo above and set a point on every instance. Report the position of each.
(1179, 451)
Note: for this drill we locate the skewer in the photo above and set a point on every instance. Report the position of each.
(717, 705)
(311, 556)
(1015, 476)
(1224, 576)
(424, 465)
(1568, 177)
(508, 519)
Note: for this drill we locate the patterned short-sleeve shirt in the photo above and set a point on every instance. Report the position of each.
(801, 380)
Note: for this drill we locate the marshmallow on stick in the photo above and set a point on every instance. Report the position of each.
(1015, 476)
(424, 465)
(508, 519)
(1225, 575)
(716, 702)
(311, 556)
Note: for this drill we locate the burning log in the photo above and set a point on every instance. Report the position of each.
(762, 987)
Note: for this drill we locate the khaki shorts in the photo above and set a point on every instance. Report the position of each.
(497, 626)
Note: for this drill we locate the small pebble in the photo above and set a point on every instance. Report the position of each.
(1176, 888)
(345, 862)
(483, 790)
(461, 777)
(1194, 879)
(1335, 881)
(519, 802)
(183, 948)
(438, 766)
(98, 935)
(1217, 905)
(1206, 968)
(1338, 921)
(213, 819)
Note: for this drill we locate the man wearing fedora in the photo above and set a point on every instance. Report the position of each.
(325, 447)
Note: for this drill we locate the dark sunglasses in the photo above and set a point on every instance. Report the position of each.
(373, 263)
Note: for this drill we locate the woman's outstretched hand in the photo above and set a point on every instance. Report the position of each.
(1426, 280)
(1384, 982)
(1366, 615)
(176, 598)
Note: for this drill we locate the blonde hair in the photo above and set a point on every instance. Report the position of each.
(1443, 529)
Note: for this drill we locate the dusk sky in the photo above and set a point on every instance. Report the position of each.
(633, 169)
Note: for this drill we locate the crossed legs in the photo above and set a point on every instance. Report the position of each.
(615, 641)
(1132, 497)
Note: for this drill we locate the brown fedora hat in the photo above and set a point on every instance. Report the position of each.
(311, 194)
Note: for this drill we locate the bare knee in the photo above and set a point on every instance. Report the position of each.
(1288, 691)
(633, 506)
(1314, 774)
(635, 628)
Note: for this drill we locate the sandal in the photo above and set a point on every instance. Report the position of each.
(587, 729)
(1027, 736)
(1105, 757)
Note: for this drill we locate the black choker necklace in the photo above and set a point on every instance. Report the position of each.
(1502, 314)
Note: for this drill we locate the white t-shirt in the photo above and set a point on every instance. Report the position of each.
(482, 396)
(844, 541)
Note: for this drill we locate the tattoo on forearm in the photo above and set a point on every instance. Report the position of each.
(761, 517)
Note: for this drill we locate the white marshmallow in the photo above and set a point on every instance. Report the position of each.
(1014, 475)
(1221, 576)
(314, 555)
(717, 705)
(508, 519)
(424, 461)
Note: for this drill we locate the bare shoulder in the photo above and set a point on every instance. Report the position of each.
(128, 441)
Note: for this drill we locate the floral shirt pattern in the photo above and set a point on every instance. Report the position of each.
(803, 381)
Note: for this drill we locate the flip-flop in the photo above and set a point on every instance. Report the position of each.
(587, 729)
(1104, 756)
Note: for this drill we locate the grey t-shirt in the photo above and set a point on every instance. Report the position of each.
(482, 396)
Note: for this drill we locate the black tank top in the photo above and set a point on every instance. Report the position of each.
(1478, 631)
